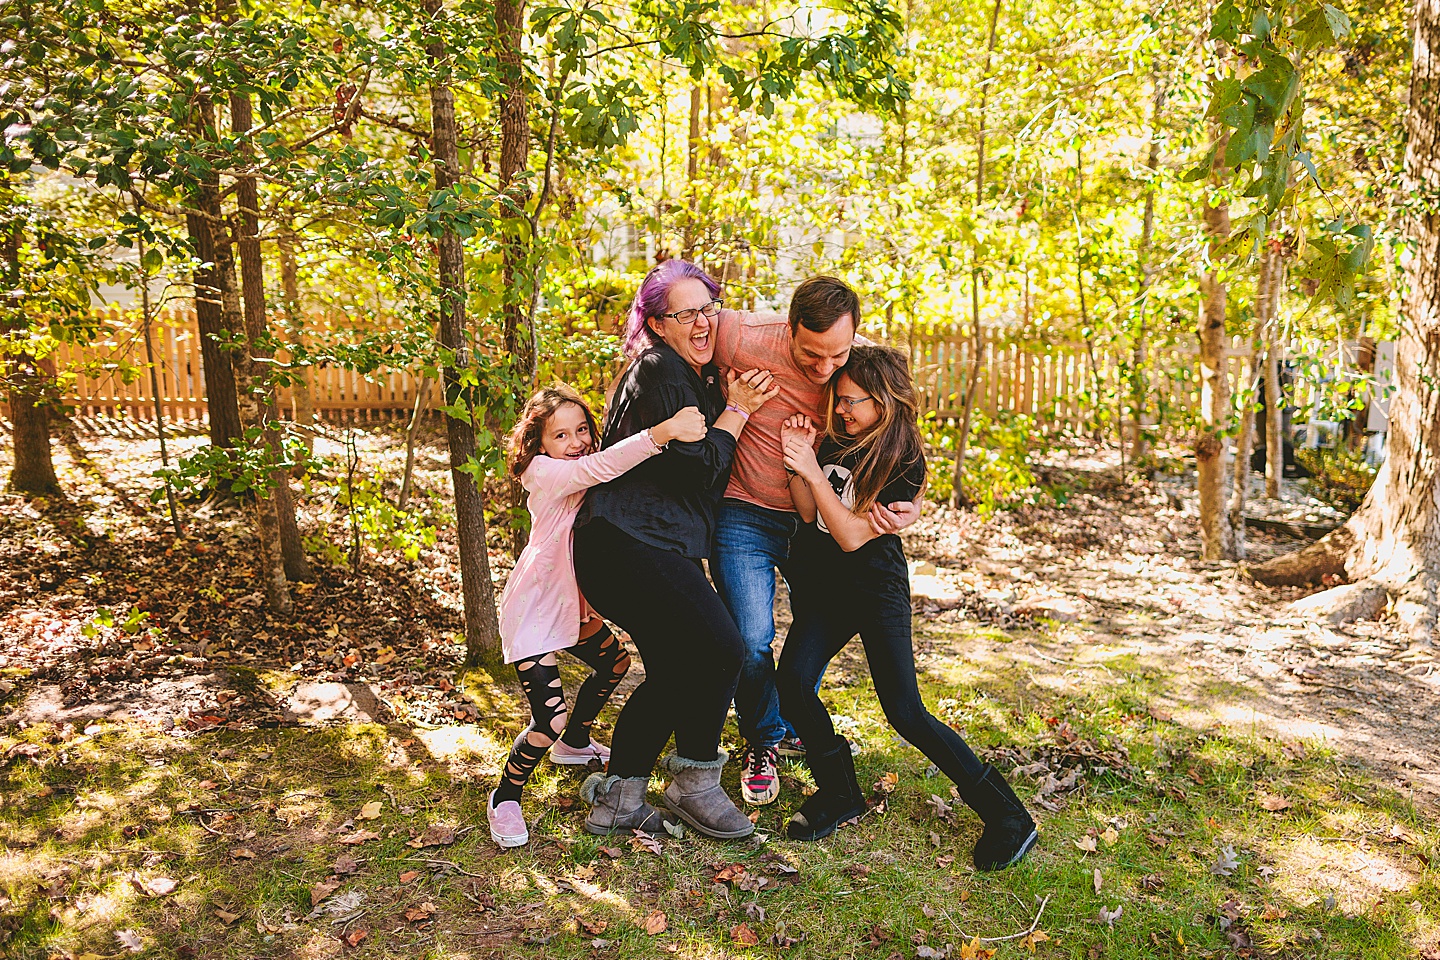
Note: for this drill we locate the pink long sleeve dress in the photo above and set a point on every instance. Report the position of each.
(541, 607)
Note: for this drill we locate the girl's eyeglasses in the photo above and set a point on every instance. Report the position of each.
(688, 316)
(847, 404)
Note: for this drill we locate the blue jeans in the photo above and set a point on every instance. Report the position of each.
(750, 543)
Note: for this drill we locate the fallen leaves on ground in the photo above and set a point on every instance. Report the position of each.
(1030, 940)
(1274, 804)
(654, 923)
(1226, 862)
(743, 935)
(435, 835)
(372, 809)
(322, 890)
(354, 937)
(426, 910)
(358, 837)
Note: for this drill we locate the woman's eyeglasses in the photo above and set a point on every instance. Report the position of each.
(688, 316)
(847, 404)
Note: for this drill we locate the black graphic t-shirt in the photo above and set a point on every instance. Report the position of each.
(815, 552)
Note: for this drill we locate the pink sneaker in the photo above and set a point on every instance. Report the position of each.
(507, 823)
(562, 752)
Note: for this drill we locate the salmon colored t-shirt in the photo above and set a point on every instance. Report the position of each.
(743, 342)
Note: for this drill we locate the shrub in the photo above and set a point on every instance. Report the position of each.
(1339, 476)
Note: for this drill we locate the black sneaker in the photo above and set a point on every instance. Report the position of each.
(790, 747)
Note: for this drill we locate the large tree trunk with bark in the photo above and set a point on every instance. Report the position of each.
(29, 382)
(1217, 538)
(1393, 540)
(223, 411)
(482, 625)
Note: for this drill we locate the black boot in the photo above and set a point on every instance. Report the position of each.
(1009, 830)
(837, 797)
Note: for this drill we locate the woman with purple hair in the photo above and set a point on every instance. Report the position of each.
(639, 542)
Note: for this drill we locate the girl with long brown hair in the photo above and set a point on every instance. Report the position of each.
(553, 454)
(844, 579)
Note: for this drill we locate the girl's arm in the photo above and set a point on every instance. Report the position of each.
(800, 496)
(561, 478)
(850, 532)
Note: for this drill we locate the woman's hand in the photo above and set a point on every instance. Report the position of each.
(800, 457)
(797, 425)
(751, 390)
(687, 426)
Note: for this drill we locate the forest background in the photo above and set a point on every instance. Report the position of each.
(247, 663)
(479, 190)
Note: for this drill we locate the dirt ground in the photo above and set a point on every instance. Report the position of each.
(1041, 597)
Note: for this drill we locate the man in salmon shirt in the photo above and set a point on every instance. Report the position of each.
(756, 519)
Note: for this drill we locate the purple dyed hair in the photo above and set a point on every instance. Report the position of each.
(654, 300)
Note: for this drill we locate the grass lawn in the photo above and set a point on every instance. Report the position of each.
(1157, 840)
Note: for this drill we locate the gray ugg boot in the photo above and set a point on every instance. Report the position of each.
(695, 796)
(618, 803)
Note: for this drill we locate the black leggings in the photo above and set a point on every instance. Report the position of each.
(880, 613)
(683, 633)
(606, 655)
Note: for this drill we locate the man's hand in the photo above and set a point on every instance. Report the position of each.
(894, 518)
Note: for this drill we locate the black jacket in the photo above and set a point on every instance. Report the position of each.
(668, 501)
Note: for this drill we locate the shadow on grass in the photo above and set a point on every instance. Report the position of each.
(248, 824)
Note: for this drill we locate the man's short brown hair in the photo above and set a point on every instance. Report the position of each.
(819, 302)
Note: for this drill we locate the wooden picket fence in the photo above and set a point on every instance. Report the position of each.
(1060, 385)
(339, 394)
(1057, 384)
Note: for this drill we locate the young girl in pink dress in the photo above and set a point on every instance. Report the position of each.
(541, 610)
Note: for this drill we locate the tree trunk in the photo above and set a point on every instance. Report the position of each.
(1216, 536)
(692, 167)
(252, 392)
(1393, 540)
(223, 412)
(1244, 444)
(977, 334)
(1274, 396)
(422, 406)
(482, 626)
(1144, 274)
(34, 470)
(514, 151)
(304, 389)
(29, 380)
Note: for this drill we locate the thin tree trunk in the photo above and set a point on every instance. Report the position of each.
(422, 405)
(482, 627)
(1139, 406)
(1244, 444)
(304, 389)
(977, 334)
(146, 315)
(692, 166)
(1216, 536)
(514, 152)
(1274, 396)
(257, 350)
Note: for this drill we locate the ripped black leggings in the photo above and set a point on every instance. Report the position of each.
(540, 679)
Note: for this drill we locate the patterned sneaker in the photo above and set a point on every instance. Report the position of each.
(507, 823)
(790, 747)
(759, 778)
(561, 752)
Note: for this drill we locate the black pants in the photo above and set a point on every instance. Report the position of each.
(827, 615)
(686, 639)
